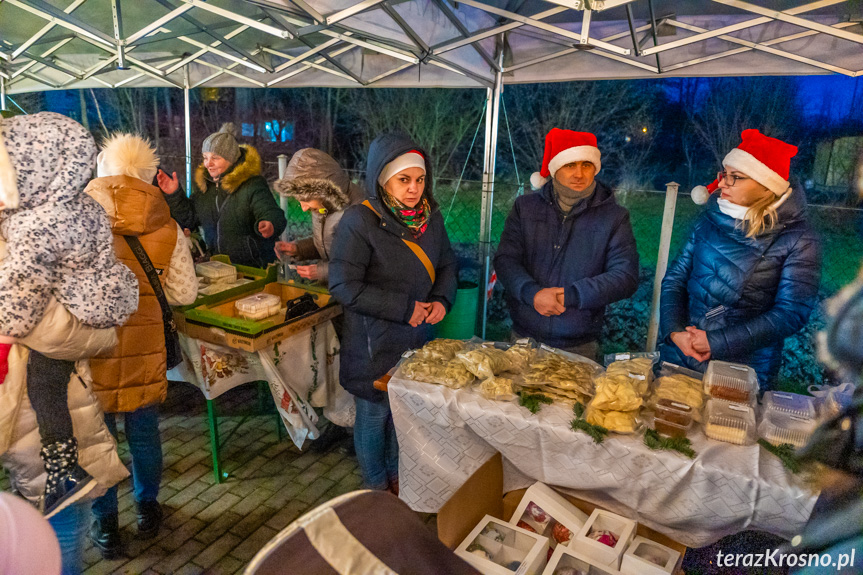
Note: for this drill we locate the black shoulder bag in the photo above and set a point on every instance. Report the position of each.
(172, 338)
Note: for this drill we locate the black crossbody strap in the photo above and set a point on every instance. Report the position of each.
(172, 341)
(152, 275)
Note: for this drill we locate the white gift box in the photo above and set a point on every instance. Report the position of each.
(541, 500)
(646, 557)
(567, 561)
(601, 520)
(494, 546)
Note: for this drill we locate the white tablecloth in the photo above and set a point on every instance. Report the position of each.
(445, 435)
(302, 372)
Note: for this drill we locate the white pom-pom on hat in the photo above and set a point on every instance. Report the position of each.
(537, 181)
(700, 195)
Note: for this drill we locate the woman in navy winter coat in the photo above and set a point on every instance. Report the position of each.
(748, 276)
(393, 270)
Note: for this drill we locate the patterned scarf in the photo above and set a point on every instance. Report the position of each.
(416, 218)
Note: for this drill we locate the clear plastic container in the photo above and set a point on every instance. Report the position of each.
(258, 306)
(730, 422)
(216, 272)
(671, 429)
(731, 382)
(779, 428)
(673, 412)
(789, 403)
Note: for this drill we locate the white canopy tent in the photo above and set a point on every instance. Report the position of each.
(415, 43)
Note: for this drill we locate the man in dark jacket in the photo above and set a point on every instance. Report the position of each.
(566, 251)
(231, 202)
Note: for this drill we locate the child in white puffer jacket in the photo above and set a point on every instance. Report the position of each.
(59, 244)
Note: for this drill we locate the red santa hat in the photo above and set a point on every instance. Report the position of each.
(564, 147)
(764, 159)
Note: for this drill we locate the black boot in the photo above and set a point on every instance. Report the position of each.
(149, 519)
(105, 535)
(330, 438)
(67, 482)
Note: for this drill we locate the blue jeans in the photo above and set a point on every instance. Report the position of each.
(145, 445)
(376, 443)
(71, 525)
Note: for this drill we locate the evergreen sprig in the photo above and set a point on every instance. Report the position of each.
(595, 432)
(682, 445)
(785, 453)
(533, 401)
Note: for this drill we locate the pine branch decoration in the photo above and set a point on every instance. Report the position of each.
(682, 445)
(533, 401)
(785, 453)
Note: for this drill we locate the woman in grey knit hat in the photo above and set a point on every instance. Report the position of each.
(231, 202)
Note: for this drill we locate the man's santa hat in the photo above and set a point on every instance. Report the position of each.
(564, 147)
(764, 159)
(8, 177)
(127, 155)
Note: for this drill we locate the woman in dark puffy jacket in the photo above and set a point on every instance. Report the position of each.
(748, 276)
(393, 270)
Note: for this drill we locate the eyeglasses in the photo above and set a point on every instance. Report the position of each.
(730, 179)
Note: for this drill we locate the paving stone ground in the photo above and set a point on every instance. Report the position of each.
(212, 528)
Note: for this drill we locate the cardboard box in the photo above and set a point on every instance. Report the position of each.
(220, 323)
(566, 561)
(495, 547)
(482, 494)
(602, 520)
(259, 277)
(645, 557)
(549, 514)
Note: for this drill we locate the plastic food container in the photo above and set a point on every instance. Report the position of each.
(789, 403)
(258, 306)
(673, 412)
(779, 428)
(671, 429)
(216, 272)
(731, 382)
(730, 422)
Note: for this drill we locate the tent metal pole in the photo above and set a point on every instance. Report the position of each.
(662, 262)
(492, 117)
(2, 94)
(188, 129)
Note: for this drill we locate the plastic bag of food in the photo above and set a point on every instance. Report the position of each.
(497, 388)
(486, 362)
(618, 392)
(442, 349)
(639, 369)
(624, 422)
(681, 385)
(450, 373)
(554, 370)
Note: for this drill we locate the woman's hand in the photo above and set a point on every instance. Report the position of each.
(168, 184)
(289, 248)
(308, 272)
(266, 228)
(436, 312)
(683, 340)
(698, 337)
(421, 312)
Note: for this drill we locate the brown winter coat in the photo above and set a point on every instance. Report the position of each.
(314, 175)
(134, 375)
